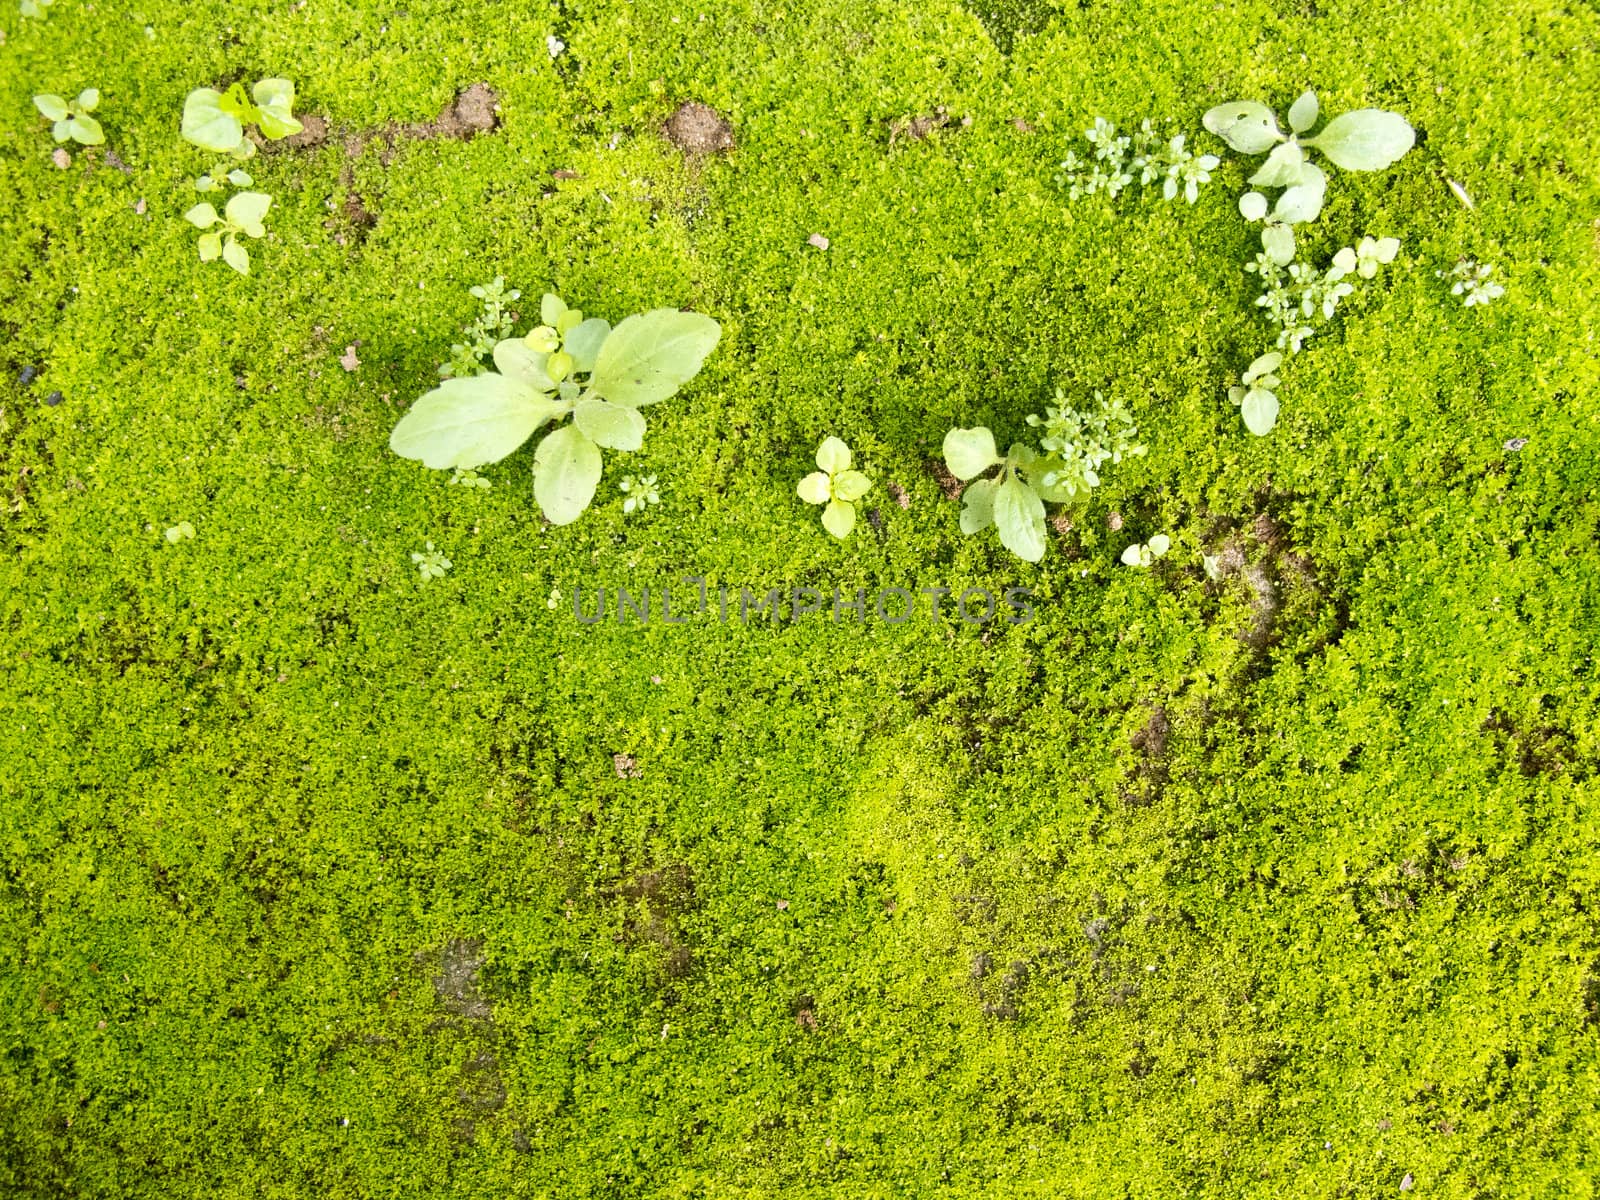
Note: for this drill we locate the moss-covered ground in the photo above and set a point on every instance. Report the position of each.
(317, 880)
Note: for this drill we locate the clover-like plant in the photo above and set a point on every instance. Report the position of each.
(1143, 157)
(1473, 282)
(216, 120)
(242, 214)
(1368, 139)
(1145, 555)
(72, 120)
(638, 493)
(835, 485)
(1075, 445)
(568, 366)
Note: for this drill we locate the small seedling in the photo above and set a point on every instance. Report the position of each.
(469, 479)
(1368, 139)
(432, 563)
(216, 120)
(219, 178)
(1255, 396)
(1075, 444)
(181, 532)
(566, 367)
(491, 326)
(72, 121)
(1143, 157)
(836, 486)
(243, 214)
(637, 493)
(1473, 282)
(1145, 555)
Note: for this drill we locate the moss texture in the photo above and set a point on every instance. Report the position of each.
(319, 881)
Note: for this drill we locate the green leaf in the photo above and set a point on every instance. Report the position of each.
(88, 100)
(1252, 206)
(471, 421)
(206, 125)
(201, 216)
(815, 488)
(1260, 411)
(851, 485)
(1019, 516)
(53, 107)
(610, 425)
(584, 343)
(1368, 139)
(237, 104)
(839, 518)
(1277, 240)
(1160, 544)
(210, 247)
(833, 456)
(650, 356)
(239, 178)
(1282, 168)
(1303, 112)
(236, 256)
(86, 131)
(517, 360)
(551, 308)
(274, 98)
(1247, 126)
(977, 506)
(566, 470)
(969, 452)
(1303, 201)
(246, 210)
(61, 130)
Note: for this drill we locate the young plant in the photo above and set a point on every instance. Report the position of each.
(1473, 282)
(35, 8)
(1144, 157)
(638, 493)
(219, 178)
(72, 120)
(1368, 139)
(836, 486)
(216, 120)
(491, 326)
(430, 562)
(1145, 555)
(1075, 445)
(598, 376)
(242, 214)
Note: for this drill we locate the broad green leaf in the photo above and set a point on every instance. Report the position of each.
(88, 100)
(206, 184)
(470, 421)
(851, 485)
(1277, 240)
(1019, 517)
(650, 356)
(815, 488)
(274, 99)
(236, 256)
(210, 247)
(569, 320)
(1303, 112)
(584, 342)
(833, 456)
(970, 452)
(977, 506)
(86, 131)
(1282, 168)
(1252, 206)
(239, 178)
(201, 216)
(1247, 126)
(839, 518)
(206, 125)
(1368, 139)
(551, 308)
(1260, 411)
(1303, 201)
(566, 470)
(1160, 544)
(610, 425)
(61, 130)
(53, 107)
(1133, 555)
(1264, 365)
(517, 360)
(246, 210)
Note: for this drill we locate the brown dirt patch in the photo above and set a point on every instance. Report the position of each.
(698, 130)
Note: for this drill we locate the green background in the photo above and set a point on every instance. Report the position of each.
(1281, 885)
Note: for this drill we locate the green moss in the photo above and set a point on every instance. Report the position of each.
(1278, 885)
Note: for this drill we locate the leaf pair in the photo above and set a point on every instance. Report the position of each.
(243, 214)
(1368, 139)
(216, 120)
(467, 422)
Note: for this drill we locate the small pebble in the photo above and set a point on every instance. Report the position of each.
(54, 398)
(61, 158)
(27, 375)
(1407, 1183)
(817, 240)
(783, 904)
(1515, 444)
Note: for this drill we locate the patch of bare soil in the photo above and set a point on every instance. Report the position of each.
(698, 130)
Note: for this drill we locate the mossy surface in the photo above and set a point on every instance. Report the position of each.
(320, 881)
